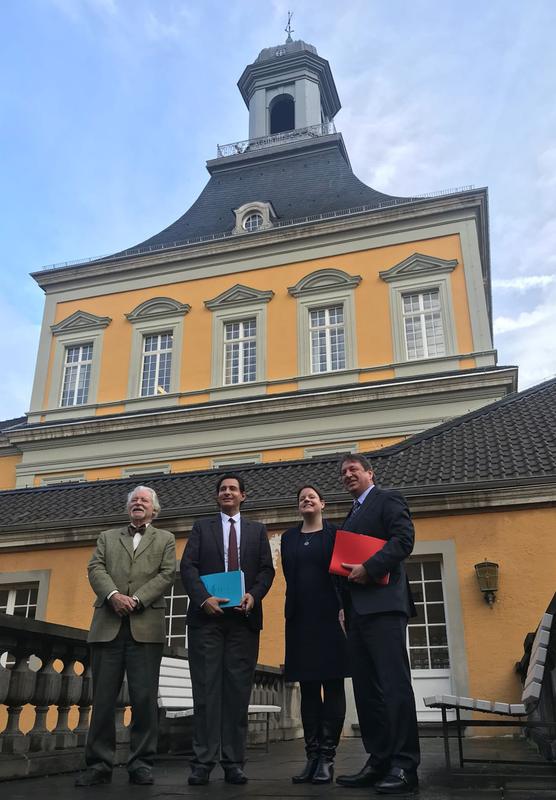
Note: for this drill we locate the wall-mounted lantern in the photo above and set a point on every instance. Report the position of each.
(487, 576)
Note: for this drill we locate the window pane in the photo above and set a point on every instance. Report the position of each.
(440, 658)
(420, 618)
(435, 612)
(419, 658)
(431, 570)
(434, 591)
(417, 636)
(437, 635)
(413, 569)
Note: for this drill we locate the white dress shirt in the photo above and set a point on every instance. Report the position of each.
(226, 531)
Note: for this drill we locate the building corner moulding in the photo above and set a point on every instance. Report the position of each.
(238, 295)
(324, 280)
(418, 264)
(158, 307)
(80, 321)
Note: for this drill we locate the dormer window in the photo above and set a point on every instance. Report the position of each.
(253, 216)
(252, 222)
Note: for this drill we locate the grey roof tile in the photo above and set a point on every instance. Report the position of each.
(513, 439)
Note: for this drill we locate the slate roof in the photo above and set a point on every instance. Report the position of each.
(314, 181)
(512, 440)
(11, 423)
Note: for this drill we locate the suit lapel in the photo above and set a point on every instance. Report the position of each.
(244, 540)
(127, 541)
(146, 540)
(218, 534)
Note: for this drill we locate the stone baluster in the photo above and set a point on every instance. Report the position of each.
(20, 692)
(47, 692)
(69, 696)
(4, 683)
(85, 702)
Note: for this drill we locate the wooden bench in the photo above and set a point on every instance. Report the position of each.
(515, 713)
(175, 694)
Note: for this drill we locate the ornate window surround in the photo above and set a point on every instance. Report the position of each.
(323, 288)
(256, 207)
(40, 576)
(79, 328)
(238, 302)
(419, 273)
(155, 315)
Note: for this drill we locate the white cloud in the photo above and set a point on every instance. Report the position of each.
(525, 319)
(524, 282)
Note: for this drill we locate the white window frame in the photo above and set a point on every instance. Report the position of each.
(78, 329)
(419, 273)
(327, 328)
(38, 576)
(242, 343)
(242, 214)
(155, 316)
(236, 304)
(421, 313)
(157, 354)
(168, 639)
(81, 364)
(323, 289)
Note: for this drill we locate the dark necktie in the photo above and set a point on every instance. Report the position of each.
(354, 509)
(132, 530)
(233, 561)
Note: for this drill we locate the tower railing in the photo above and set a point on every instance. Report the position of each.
(249, 145)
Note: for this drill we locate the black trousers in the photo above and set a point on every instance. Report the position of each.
(109, 662)
(222, 659)
(382, 687)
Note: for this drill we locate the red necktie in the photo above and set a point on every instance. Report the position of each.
(233, 561)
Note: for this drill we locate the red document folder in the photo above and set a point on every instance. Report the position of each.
(354, 548)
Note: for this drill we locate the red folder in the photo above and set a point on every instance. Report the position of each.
(354, 548)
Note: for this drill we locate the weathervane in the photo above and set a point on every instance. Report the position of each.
(289, 30)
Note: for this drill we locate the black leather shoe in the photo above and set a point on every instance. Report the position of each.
(235, 775)
(93, 777)
(306, 774)
(367, 776)
(199, 776)
(398, 781)
(142, 776)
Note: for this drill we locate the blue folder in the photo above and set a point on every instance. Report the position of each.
(226, 584)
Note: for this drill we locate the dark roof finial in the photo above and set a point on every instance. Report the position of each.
(289, 30)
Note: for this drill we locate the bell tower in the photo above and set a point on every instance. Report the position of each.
(288, 87)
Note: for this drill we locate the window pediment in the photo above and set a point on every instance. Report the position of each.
(158, 307)
(324, 280)
(80, 321)
(418, 264)
(239, 295)
(256, 212)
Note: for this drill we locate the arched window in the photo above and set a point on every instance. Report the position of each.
(253, 222)
(282, 114)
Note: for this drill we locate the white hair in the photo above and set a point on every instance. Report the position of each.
(154, 497)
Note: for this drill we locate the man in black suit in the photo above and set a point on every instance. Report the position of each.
(377, 620)
(223, 644)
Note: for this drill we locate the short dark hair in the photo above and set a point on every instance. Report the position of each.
(310, 486)
(363, 460)
(230, 476)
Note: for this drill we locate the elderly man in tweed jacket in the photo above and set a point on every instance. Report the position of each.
(130, 571)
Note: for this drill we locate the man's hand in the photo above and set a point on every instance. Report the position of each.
(247, 603)
(122, 604)
(358, 573)
(211, 606)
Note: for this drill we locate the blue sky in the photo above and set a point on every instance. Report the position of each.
(110, 108)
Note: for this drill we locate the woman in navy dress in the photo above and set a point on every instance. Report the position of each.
(316, 654)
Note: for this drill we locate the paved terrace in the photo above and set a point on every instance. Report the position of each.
(269, 777)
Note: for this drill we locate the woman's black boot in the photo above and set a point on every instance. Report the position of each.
(329, 738)
(311, 735)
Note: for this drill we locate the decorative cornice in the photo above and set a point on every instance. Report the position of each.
(324, 280)
(80, 321)
(158, 307)
(418, 264)
(239, 295)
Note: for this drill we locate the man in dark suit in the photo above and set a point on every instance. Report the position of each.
(223, 644)
(130, 571)
(377, 620)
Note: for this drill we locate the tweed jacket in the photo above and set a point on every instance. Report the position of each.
(147, 573)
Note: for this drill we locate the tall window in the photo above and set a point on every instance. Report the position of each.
(426, 633)
(240, 351)
(328, 348)
(77, 374)
(424, 332)
(21, 601)
(157, 363)
(176, 610)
